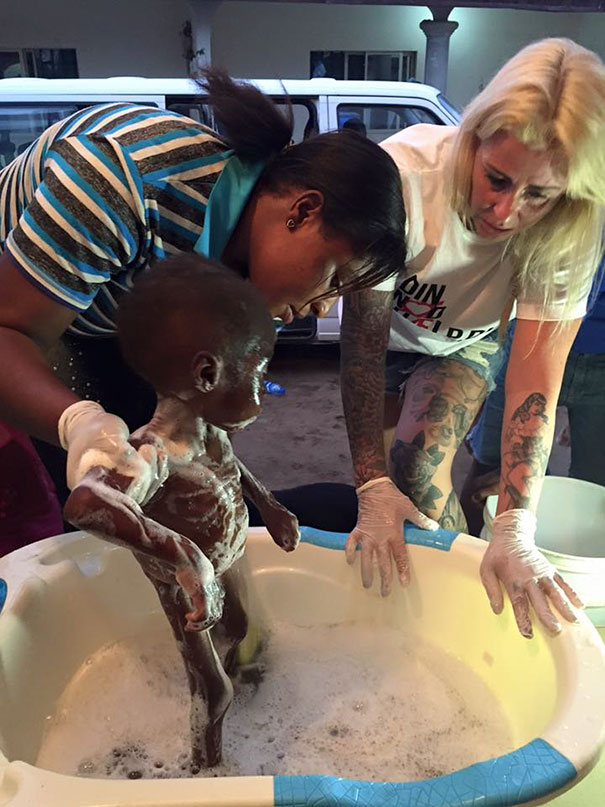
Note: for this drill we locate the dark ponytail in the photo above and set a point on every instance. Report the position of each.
(360, 183)
(248, 120)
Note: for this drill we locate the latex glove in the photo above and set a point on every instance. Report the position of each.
(513, 560)
(382, 509)
(93, 437)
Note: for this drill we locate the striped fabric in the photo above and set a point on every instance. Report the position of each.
(100, 196)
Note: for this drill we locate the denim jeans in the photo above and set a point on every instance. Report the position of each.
(483, 356)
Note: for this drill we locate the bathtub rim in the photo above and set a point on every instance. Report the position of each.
(558, 748)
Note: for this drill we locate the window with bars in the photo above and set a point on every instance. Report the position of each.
(363, 65)
(39, 63)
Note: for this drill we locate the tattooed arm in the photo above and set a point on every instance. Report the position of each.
(512, 560)
(364, 337)
(533, 382)
(382, 508)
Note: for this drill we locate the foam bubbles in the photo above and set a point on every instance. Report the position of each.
(347, 700)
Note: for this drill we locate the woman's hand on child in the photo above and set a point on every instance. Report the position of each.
(281, 524)
(382, 510)
(513, 559)
(93, 437)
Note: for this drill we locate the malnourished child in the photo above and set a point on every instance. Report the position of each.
(202, 337)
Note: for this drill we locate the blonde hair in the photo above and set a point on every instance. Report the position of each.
(550, 95)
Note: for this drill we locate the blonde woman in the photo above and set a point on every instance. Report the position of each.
(505, 209)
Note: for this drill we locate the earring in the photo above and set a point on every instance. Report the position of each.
(291, 224)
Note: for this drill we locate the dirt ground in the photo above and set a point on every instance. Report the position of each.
(301, 437)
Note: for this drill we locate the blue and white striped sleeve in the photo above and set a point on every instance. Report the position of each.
(85, 222)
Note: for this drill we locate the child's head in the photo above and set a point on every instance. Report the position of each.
(198, 331)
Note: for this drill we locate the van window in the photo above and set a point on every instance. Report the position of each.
(190, 108)
(451, 108)
(21, 124)
(305, 118)
(304, 111)
(378, 121)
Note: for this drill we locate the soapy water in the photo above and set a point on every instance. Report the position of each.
(346, 700)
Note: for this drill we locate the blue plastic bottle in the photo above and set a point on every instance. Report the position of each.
(271, 388)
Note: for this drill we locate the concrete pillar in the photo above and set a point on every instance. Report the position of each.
(438, 32)
(201, 15)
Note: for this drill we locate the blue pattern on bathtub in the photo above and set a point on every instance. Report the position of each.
(3, 592)
(437, 539)
(532, 771)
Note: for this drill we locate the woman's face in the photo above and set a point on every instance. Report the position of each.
(536, 408)
(512, 187)
(291, 265)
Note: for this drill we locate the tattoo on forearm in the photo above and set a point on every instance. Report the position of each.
(363, 343)
(526, 451)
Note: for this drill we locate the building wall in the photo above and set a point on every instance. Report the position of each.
(279, 36)
(486, 38)
(264, 39)
(132, 37)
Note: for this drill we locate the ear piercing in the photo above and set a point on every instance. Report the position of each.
(291, 224)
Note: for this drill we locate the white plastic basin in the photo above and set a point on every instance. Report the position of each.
(69, 596)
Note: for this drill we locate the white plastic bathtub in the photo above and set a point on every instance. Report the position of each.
(69, 596)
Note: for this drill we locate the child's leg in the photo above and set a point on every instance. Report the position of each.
(210, 687)
(234, 621)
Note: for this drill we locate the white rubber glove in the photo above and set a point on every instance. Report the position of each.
(382, 509)
(513, 560)
(92, 437)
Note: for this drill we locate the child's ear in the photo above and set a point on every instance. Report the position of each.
(205, 371)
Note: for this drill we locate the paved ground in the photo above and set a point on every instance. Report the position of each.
(301, 436)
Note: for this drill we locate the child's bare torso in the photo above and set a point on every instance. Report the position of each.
(202, 497)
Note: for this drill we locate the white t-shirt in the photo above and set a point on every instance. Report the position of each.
(456, 284)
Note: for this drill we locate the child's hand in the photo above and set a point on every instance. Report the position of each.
(281, 524)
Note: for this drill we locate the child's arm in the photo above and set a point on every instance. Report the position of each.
(280, 522)
(99, 505)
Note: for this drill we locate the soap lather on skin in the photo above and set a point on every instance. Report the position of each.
(187, 536)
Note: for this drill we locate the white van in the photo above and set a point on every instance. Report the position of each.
(374, 108)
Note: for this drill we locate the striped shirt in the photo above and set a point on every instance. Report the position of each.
(101, 195)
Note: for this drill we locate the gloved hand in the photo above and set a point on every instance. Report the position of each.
(92, 437)
(382, 509)
(513, 560)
